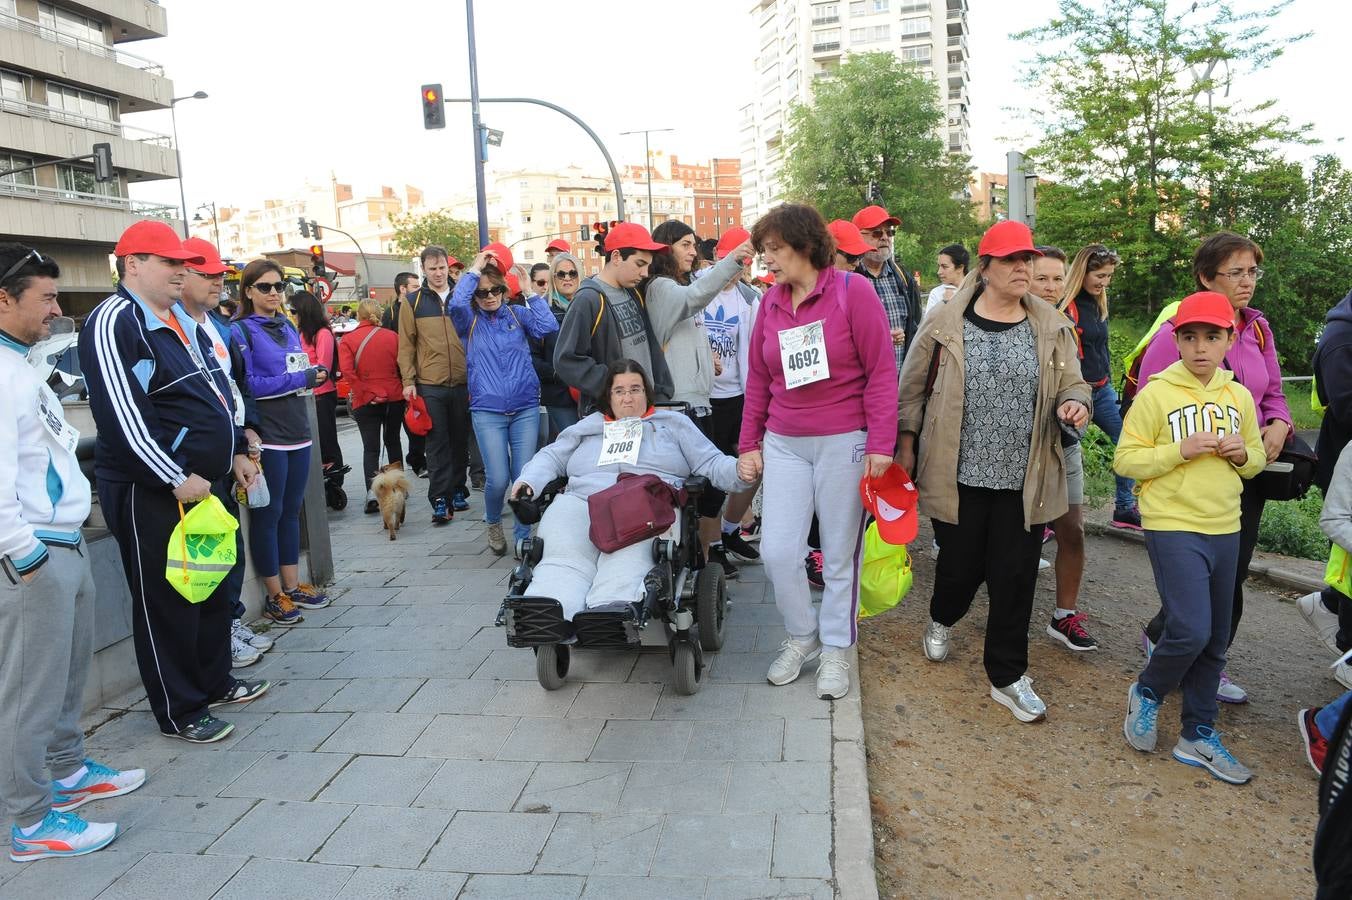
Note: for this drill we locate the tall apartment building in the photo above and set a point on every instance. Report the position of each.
(66, 84)
(802, 41)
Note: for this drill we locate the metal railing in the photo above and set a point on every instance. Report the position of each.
(8, 20)
(65, 117)
(84, 198)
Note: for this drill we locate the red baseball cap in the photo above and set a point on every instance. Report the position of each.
(1206, 307)
(1007, 238)
(732, 239)
(157, 238)
(453, 263)
(211, 264)
(894, 503)
(848, 239)
(502, 257)
(513, 285)
(559, 244)
(767, 278)
(872, 217)
(632, 236)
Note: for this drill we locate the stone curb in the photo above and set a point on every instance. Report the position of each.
(1273, 572)
(851, 815)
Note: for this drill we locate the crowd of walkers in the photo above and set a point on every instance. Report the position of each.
(831, 366)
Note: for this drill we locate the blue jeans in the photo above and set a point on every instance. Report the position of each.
(274, 531)
(1326, 720)
(1108, 417)
(560, 417)
(507, 442)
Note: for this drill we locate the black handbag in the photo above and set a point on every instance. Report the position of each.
(1290, 476)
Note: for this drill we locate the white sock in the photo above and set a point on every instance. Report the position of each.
(74, 778)
(730, 527)
(1059, 613)
(28, 832)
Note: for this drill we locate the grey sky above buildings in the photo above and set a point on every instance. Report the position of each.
(304, 89)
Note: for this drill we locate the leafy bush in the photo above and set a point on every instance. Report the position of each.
(1099, 482)
(1292, 528)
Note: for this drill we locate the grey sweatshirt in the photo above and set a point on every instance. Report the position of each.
(672, 448)
(677, 313)
(1336, 518)
(592, 336)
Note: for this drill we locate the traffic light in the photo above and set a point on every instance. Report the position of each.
(315, 230)
(317, 260)
(304, 228)
(585, 234)
(599, 232)
(434, 106)
(103, 163)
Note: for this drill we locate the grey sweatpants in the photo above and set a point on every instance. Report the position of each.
(577, 574)
(46, 646)
(803, 474)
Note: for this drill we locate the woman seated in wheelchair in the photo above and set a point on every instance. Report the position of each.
(627, 435)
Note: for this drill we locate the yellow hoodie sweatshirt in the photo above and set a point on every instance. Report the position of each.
(1199, 494)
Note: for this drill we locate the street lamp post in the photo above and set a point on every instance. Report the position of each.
(215, 229)
(178, 156)
(648, 164)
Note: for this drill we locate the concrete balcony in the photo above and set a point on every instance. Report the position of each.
(131, 20)
(41, 213)
(139, 84)
(37, 131)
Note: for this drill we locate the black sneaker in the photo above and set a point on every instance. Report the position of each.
(1070, 631)
(242, 692)
(735, 544)
(206, 730)
(372, 506)
(476, 482)
(440, 514)
(1130, 519)
(813, 564)
(459, 502)
(719, 556)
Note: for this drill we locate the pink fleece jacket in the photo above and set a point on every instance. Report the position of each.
(862, 389)
(1254, 367)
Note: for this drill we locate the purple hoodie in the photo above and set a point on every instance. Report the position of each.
(1254, 367)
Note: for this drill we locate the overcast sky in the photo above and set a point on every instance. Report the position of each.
(303, 89)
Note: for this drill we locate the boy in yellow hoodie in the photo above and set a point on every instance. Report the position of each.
(1189, 439)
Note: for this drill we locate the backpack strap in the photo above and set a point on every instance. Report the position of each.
(356, 358)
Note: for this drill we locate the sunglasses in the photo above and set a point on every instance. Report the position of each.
(483, 293)
(542, 284)
(879, 233)
(268, 287)
(562, 274)
(33, 255)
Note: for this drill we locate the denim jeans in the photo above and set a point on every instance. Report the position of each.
(1108, 417)
(507, 442)
(1326, 720)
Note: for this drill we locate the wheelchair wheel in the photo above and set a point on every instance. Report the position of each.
(687, 676)
(551, 665)
(711, 591)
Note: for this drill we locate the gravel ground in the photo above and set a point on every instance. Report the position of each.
(968, 801)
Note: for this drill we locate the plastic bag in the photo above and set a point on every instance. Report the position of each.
(1338, 573)
(885, 576)
(258, 496)
(201, 549)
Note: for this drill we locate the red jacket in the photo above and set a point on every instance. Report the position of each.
(377, 379)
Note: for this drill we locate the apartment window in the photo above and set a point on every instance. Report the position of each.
(81, 103)
(72, 24)
(9, 161)
(867, 7)
(829, 39)
(916, 54)
(730, 204)
(871, 34)
(7, 6)
(11, 85)
(75, 178)
(915, 26)
(529, 255)
(826, 14)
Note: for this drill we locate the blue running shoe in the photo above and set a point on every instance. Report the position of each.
(307, 596)
(1207, 752)
(60, 834)
(98, 783)
(440, 514)
(1139, 727)
(459, 502)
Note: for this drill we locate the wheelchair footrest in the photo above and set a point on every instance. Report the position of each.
(613, 627)
(533, 621)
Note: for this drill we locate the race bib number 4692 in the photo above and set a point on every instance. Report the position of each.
(802, 351)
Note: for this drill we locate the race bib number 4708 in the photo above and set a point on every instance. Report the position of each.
(620, 442)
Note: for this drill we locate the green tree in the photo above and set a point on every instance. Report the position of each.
(413, 232)
(1147, 151)
(877, 120)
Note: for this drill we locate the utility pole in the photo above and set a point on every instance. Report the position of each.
(480, 189)
(648, 164)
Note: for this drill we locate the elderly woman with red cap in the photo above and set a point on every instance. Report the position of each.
(504, 391)
(992, 383)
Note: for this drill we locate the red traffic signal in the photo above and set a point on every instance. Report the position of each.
(317, 260)
(433, 106)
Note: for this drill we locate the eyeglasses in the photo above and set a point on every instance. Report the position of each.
(627, 392)
(23, 261)
(542, 284)
(269, 287)
(483, 293)
(563, 274)
(879, 233)
(1256, 273)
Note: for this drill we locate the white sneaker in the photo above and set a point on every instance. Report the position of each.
(260, 642)
(241, 654)
(1322, 622)
(833, 674)
(1043, 565)
(934, 549)
(935, 642)
(1021, 700)
(1229, 692)
(1343, 672)
(793, 655)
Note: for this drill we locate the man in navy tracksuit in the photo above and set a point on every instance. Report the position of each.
(166, 431)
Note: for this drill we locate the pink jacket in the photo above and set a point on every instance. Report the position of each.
(862, 389)
(1255, 367)
(322, 353)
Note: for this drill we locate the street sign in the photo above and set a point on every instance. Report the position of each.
(322, 288)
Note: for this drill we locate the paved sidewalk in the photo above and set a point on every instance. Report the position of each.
(404, 750)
